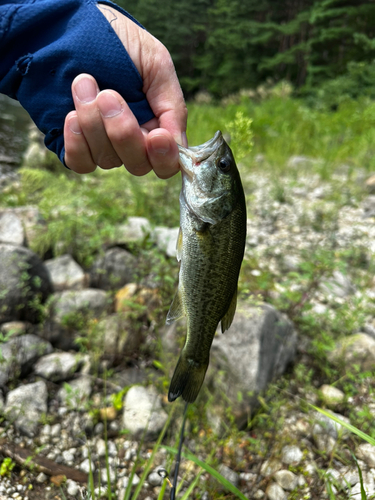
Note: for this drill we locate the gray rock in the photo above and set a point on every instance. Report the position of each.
(356, 349)
(286, 479)
(369, 206)
(143, 412)
(24, 281)
(369, 328)
(19, 354)
(339, 285)
(113, 270)
(366, 452)
(275, 492)
(65, 273)
(270, 466)
(327, 426)
(57, 366)
(229, 474)
(15, 328)
(25, 405)
(136, 229)
(11, 230)
(41, 478)
(257, 347)
(32, 221)
(116, 335)
(291, 454)
(331, 395)
(76, 391)
(166, 239)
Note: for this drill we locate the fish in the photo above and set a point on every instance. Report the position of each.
(210, 249)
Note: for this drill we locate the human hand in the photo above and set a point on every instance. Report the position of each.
(103, 130)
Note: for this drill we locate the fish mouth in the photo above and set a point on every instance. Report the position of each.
(191, 157)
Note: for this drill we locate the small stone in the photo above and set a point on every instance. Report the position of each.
(72, 488)
(331, 395)
(68, 456)
(85, 466)
(229, 474)
(41, 477)
(78, 390)
(286, 479)
(259, 494)
(55, 430)
(100, 448)
(135, 481)
(275, 492)
(154, 479)
(366, 452)
(270, 466)
(104, 476)
(109, 413)
(291, 454)
(57, 366)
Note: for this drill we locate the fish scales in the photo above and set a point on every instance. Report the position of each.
(211, 247)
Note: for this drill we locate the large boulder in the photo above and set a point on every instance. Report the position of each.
(24, 284)
(65, 273)
(113, 270)
(11, 230)
(257, 348)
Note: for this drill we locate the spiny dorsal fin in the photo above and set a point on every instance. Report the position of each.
(229, 315)
(179, 246)
(176, 310)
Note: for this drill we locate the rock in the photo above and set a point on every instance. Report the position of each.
(25, 405)
(291, 454)
(24, 282)
(72, 488)
(166, 239)
(136, 229)
(270, 466)
(326, 426)
(370, 184)
(366, 452)
(116, 336)
(65, 273)
(331, 395)
(369, 206)
(301, 161)
(19, 354)
(275, 492)
(229, 474)
(113, 270)
(143, 412)
(356, 349)
(368, 486)
(76, 391)
(57, 366)
(11, 230)
(286, 479)
(369, 328)
(32, 221)
(257, 347)
(41, 477)
(339, 285)
(85, 466)
(15, 328)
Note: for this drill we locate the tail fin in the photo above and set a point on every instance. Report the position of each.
(187, 379)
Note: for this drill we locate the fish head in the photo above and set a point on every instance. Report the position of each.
(211, 184)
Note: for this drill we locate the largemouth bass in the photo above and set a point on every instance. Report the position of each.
(210, 249)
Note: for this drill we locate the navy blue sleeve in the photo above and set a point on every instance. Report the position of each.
(45, 44)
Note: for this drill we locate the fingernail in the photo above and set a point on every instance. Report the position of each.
(109, 105)
(184, 140)
(86, 90)
(74, 125)
(160, 144)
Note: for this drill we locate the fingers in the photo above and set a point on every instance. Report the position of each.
(163, 153)
(77, 153)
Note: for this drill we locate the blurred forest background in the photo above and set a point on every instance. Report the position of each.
(324, 48)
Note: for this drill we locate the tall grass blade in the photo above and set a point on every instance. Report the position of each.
(363, 493)
(224, 482)
(192, 486)
(350, 427)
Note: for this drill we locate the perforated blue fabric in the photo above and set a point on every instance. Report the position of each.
(45, 44)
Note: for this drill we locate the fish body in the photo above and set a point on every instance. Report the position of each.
(210, 249)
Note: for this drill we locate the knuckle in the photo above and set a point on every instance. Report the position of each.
(109, 161)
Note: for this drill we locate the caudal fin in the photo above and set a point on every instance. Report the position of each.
(187, 379)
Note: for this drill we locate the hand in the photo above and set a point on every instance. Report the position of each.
(103, 130)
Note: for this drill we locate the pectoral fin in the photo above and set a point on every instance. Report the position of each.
(176, 310)
(229, 315)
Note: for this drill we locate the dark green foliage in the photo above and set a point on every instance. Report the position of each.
(225, 45)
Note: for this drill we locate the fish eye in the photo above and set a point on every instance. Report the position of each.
(224, 164)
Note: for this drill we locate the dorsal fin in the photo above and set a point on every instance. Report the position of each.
(229, 315)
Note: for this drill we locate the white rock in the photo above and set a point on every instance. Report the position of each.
(11, 229)
(135, 229)
(366, 452)
(57, 366)
(65, 273)
(72, 488)
(331, 395)
(286, 479)
(41, 477)
(229, 474)
(166, 239)
(291, 454)
(275, 492)
(85, 466)
(79, 390)
(270, 467)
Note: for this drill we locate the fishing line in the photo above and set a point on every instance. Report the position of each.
(178, 456)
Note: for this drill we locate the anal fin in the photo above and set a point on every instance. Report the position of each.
(176, 310)
(227, 319)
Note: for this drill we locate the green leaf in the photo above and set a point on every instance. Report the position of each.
(350, 427)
